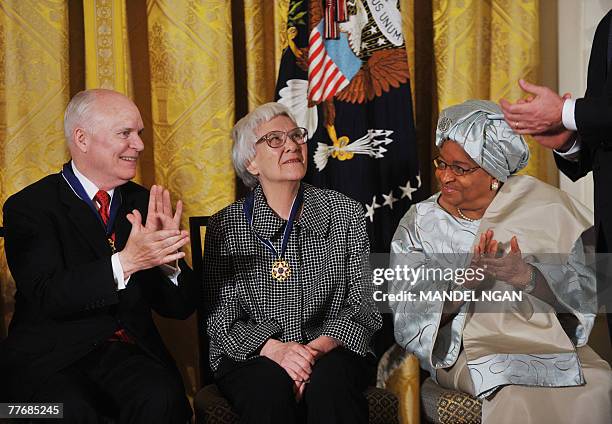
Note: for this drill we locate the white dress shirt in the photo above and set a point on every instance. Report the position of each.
(569, 122)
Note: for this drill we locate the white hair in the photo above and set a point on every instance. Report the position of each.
(245, 138)
(78, 110)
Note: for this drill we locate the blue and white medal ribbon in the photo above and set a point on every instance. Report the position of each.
(280, 268)
(79, 190)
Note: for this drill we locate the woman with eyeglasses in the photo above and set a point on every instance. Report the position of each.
(508, 316)
(289, 312)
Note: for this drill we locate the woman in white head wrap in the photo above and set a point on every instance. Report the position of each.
(497, 236)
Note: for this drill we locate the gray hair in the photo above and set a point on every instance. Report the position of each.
(245, 138)
(77, 110)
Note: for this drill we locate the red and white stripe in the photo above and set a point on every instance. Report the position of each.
(331, 26)
(324, 77)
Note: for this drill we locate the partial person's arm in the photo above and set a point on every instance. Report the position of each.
(35, 259)
(593, 112)
(228, 325)
(171, 299)
(573, 285)
(168, 283)
(547, 117)
(594, 117)
(512, 267)
(421, 326)
(358, 319)
(170, 271)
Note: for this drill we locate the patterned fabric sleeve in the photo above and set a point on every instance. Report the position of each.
(574, 286)
(417, 324)
(231, 332)
(358, 319)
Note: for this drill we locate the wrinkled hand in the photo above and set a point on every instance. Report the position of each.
(560, 140)
(295, 358)
(318, 347)
(159, 212)
(510, 268)
(146, 248)
(323, 345)
(298, 389)
(486, 246)
(539, 113)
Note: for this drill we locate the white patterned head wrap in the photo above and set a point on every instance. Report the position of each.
(479, 127)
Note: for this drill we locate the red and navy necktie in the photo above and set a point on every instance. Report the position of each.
(104, 199)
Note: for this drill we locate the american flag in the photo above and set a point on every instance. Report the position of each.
(324, 77)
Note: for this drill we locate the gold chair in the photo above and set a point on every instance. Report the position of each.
(398, 372)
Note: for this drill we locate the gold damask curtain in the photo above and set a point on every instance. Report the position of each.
(500, 39)
(194, 66)
(474, 49)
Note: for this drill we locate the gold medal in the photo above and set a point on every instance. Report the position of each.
(111, 243)
(281, 270)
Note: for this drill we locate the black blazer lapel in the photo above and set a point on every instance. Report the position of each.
(85, 223)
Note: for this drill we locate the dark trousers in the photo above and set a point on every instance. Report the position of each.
(604, 277)
(121, 381)
(260, 391)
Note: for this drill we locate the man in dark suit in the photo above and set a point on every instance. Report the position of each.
(89, 271)
(580, 132)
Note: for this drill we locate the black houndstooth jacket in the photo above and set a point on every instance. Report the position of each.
(328, 293)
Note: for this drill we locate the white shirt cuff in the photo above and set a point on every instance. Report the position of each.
(118, 272)
(172, 272)
(569, 120)
(572, 153)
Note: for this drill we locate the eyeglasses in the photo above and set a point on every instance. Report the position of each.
(276, 139)
(457, 170)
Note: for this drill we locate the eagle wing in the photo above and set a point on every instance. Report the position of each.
(315, 13)
(385, 69)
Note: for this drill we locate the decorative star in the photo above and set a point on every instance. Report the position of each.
(373, 29)
(370, 209)
(381, 41)
(389, 199)
(407, 190)
(364, 45)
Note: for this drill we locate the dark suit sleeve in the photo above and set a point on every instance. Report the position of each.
(164, 297)
(43, 280)
(594, 117)
(593, 112)
(167, 299)
(575, 169)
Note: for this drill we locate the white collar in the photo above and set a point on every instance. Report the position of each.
(90, 188)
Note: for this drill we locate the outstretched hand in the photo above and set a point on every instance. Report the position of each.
(158, 241)
(560, 140)
(147, 248)
(542, 113)
(510, 268)
(159, 212)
